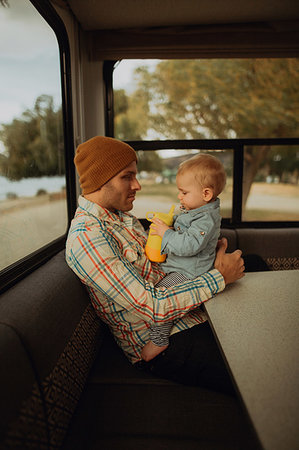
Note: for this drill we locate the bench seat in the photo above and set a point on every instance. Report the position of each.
(124, 408)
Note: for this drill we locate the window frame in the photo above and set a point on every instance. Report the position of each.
(236, 145)
(18, 270)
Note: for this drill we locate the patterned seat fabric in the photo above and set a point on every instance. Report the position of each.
(44, 417)
(283, 263)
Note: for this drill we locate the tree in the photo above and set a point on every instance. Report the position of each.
(149, 161)
(131, 122)
(34, 143)
(284, 163)
(247, 98)
(130, 115)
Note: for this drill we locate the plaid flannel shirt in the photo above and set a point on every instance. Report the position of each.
(106, 251)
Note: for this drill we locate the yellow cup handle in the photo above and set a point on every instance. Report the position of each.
(150, 212)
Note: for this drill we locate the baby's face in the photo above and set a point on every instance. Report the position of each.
(190, 192)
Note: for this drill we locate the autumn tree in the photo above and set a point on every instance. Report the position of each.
(131, 115)
(34, 142)
(237, 98)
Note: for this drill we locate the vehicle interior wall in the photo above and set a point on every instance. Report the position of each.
(86, 78)
(185, 29)
(112, 14)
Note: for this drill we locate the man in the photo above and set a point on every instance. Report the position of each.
(105, 248)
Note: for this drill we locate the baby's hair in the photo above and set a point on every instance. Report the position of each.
(207, 170)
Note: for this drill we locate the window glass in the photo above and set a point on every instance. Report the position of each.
(157, 173)
(271, 183)
(206, 99)
(220, 99)
(33, 209)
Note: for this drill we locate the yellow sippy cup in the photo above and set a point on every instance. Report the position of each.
(153, 245)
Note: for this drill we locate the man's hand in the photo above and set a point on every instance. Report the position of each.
(230, 265)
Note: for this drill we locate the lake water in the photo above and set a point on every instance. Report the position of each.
(28, 187)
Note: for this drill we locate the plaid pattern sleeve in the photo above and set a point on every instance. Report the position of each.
(106, 251)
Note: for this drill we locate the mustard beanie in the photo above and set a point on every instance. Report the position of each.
(99, 159)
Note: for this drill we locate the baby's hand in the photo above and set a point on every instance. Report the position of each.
(151, 350)
(158, 227)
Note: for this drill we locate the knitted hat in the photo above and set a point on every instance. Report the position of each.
(99, 159)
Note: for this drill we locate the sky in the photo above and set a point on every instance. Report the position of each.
(29, 59)
(123, 75)
(29, 62)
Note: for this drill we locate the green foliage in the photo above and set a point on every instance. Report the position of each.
(283, 161)
(34, 143)
(237, 98)
(130, 115)
(41, 192)
(131, 122)
(191, 99)
(149, 161)
(248, 98)
(11, 196)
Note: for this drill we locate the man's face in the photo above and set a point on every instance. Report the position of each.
(119, 192)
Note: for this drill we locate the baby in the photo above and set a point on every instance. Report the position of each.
(191, 243)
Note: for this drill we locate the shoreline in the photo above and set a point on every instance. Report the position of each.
(11, 205)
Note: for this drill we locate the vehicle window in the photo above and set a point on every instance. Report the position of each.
(271, 183)
(235, 100)
(206, 99)
(33, 208)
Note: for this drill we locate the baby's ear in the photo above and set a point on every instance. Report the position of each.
(207, 194)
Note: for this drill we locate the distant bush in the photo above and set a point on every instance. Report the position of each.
(41, 192)
(11, 195)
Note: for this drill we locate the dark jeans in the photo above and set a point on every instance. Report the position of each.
(192, 358)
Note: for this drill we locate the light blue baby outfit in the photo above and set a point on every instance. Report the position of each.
(191, 246)
(191, 251)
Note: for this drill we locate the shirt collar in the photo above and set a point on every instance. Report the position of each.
(101, 213)
(207, 207)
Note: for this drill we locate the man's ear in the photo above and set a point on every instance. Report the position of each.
(207, 194)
